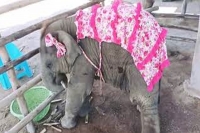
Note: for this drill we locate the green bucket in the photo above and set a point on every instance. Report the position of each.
(34, 97)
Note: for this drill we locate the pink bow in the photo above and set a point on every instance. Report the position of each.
(50, 41)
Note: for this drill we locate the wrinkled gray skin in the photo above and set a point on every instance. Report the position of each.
(117, 67)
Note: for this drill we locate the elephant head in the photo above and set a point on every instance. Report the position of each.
(73, 62)
(54, 68)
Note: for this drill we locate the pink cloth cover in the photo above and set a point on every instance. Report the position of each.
(134, 29)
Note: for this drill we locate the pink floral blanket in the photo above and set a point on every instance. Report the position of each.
(134, 29)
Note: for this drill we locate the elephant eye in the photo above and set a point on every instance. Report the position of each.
(48, 65)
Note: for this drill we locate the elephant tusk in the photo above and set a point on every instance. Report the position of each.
(63, 84)
(90, 99)
(87, 116)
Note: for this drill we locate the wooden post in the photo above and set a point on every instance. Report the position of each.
(32, 114)
(151, 9)
(184, 6)
(8, 99)
(15, 86)
(147, 3)
(103, 3)
(195, 76)
(192, 86)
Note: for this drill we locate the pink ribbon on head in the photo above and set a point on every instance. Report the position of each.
(50, 41)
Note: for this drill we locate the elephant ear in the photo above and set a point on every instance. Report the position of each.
(72, 48)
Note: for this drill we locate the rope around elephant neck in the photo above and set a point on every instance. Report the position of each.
(99, 73)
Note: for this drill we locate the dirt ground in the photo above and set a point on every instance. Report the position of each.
(179, 113)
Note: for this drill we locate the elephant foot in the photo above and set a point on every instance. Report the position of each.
(68, 122)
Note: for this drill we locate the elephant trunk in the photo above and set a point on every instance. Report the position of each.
(150, 120)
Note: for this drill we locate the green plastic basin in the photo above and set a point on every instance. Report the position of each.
(34, 97)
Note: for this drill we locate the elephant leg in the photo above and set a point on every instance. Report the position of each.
(74, 99)
(79, 87)
(147, 105)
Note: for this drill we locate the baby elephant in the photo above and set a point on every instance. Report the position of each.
(117, 57)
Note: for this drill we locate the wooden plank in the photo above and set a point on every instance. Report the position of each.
(37, 26)
(32, 114)
(176, 15)
(178, 27)
(11, 64)
(179, 23)
(15, 85)
(183, 39)
(8, 99)
(16, 5)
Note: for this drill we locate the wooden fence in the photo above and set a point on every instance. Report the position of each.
(19, 90)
